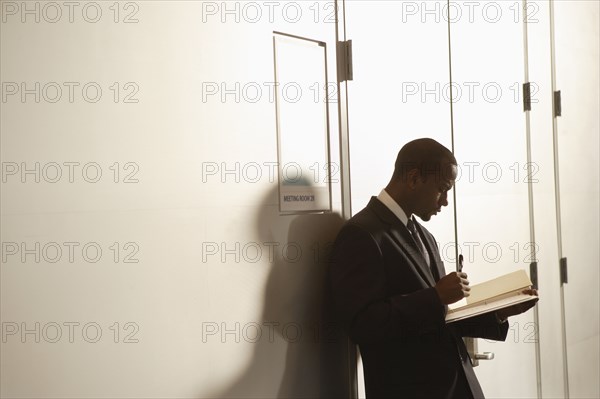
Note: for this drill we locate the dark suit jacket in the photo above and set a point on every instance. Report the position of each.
(385, 297)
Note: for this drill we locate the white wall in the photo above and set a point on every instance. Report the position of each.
(215, 262)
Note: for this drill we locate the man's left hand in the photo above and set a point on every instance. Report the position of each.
(519, 308)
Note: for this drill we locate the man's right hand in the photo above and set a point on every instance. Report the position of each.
(453, 287)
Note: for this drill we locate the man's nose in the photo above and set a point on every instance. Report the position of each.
(443, 200)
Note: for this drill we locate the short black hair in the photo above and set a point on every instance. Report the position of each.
(426, 155)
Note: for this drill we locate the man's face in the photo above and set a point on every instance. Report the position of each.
(432, 193)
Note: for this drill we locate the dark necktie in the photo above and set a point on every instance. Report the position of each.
(415, 234)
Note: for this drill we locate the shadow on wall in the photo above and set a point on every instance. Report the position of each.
(305, 339)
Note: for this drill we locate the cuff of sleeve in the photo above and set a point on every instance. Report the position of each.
(498, 319)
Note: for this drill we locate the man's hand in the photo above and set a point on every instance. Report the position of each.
(453, 287)
(519, 308)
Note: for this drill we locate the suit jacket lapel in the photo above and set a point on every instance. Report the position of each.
(402, 236)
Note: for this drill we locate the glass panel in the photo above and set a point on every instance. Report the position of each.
(492, 188)
(399, 92)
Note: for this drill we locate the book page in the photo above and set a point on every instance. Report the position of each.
(486, 307)
(509, 282)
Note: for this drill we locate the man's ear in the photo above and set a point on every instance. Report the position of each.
(412, 178)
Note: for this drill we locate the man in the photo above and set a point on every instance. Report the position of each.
(391, 290)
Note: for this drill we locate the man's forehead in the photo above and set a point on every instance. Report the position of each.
(441, 172)
(449, 173)
(453, 172)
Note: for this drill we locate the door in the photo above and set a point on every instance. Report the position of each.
(576, 132)
(404, 88)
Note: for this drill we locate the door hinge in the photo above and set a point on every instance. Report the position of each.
(344, 61)
(527, 96)
(564, 278)
(533, 273)
(557, 104)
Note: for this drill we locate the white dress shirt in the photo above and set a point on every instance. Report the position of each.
(397, 210)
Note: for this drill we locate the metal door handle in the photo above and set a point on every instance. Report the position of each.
(484, 356)
(471, 344)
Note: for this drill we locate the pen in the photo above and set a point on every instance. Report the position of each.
(460, 263)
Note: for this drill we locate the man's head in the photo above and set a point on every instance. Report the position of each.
(424, 172)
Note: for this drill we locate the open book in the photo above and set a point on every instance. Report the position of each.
(491, 295)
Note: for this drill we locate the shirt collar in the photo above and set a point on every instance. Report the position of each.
(393, 206)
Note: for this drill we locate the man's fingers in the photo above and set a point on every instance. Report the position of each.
(466, 289)
(531, 291)
(453, 287)
(521, 307)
